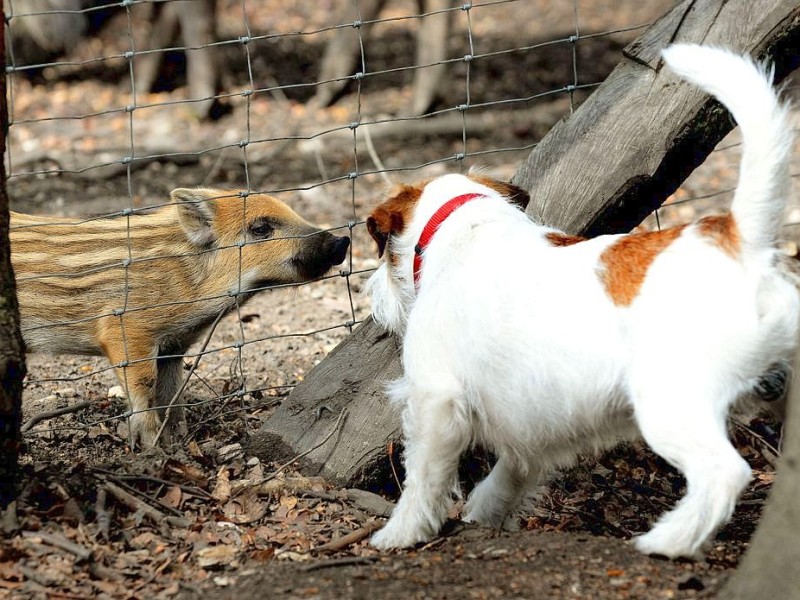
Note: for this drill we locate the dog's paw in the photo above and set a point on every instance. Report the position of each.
(655, 542)
(496, 522)
(512, 523)
(395, 535)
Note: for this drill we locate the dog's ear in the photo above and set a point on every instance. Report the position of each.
(391, 216)
(379, 236)
(515, 194)
(381, 224)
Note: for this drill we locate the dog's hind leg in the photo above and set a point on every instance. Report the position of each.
(688, 429)
(436, 432)
(493, 499)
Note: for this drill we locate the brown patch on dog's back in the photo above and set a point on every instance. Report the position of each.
(563, 239)
(391, 216)
(722, 231)
(515, 194)
(625, 263)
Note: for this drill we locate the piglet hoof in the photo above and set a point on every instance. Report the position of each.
(176, 429)
(144, 427)
(179, 428)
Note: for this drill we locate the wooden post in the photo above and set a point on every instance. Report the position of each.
(604, 169)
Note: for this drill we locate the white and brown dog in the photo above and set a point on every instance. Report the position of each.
(541, 346)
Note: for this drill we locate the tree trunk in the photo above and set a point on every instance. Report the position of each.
(12, 354)
(769, 569)
(604, 169)
(342, 53)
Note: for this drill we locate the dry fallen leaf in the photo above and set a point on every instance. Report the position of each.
(188, 472)
(263, 555)
(214, 556)
(173, 496)
(291, 555)
(246, 508)
(194, 450)
(222, 489)
(289, 502)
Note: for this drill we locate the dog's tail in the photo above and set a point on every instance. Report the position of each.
(746, 90)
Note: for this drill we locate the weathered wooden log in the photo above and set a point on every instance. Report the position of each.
(643, 132)
(604, 169)
(351, 378)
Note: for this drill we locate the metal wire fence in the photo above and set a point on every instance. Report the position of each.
(114, 104)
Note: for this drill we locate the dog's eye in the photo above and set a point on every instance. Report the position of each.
(261, 228)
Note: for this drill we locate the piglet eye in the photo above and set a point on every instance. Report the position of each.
(261, 229)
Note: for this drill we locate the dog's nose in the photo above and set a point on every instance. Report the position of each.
(339, 249)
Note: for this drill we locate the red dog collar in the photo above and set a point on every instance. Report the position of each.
(433, 225)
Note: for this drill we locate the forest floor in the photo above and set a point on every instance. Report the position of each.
(205, 518)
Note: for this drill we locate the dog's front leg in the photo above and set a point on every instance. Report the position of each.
(436, 433)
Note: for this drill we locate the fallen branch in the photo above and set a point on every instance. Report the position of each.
(349, 539)
(134, 503)
(103, 519)
(346, 561)
(134, 492)
(81, 552)
(189, 489)
(52, 414)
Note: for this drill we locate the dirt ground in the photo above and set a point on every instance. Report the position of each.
(205, 518)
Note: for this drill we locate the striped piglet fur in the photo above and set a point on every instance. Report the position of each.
(140, 288)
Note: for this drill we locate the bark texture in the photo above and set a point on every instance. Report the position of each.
(12, 353)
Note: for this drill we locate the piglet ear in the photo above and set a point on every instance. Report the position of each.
(196, 214)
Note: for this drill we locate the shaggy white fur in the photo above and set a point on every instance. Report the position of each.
(540, 346)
